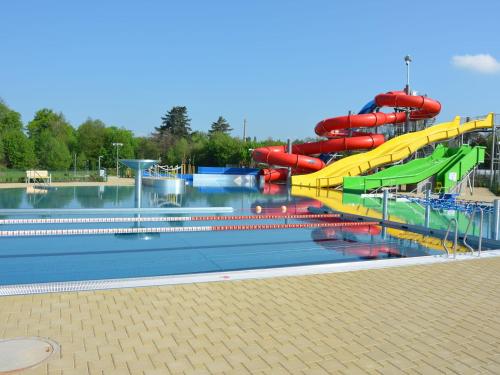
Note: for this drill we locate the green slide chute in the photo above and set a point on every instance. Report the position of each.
(448, 165)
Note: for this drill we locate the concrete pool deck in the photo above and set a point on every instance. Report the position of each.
(427, 319)
(112, 181)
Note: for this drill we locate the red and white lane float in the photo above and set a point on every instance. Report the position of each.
(206, 228)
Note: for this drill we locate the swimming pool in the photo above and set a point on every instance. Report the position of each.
(91, 257)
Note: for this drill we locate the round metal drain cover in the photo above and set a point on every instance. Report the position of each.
(24, 352)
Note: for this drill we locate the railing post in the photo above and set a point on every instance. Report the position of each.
(481, 220)
(385, 202)
(496, 219)
(428, 207)
(289, 169)
(492, 156)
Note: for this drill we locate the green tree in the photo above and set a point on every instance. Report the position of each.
(221, 126)
(146, 148)
(222, 149)
(198, 148)
(16, 151)
(19, 150)
(9, 119)
(126, 151)
(176, 123)
(48, 124)
(2, 152)
(178, 153)
(54, 155)
(91, 139)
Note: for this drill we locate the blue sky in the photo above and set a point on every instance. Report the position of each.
(284, 65)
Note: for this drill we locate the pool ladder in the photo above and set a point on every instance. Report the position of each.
(481, 219)
(455, 237)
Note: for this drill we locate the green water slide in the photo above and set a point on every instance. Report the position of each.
(448, 165)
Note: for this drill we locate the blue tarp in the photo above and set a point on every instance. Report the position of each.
(224, 170)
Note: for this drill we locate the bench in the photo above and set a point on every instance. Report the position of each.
(38, 176)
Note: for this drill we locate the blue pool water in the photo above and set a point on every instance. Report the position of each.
(89, 257)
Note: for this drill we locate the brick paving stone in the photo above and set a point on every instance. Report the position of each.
(395, 320)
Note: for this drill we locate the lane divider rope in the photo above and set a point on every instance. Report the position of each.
(163, 219)
(208, 228)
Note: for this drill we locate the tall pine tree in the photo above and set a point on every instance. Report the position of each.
(220, 126)
(176, 123)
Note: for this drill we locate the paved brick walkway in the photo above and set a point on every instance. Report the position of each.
(442, 318)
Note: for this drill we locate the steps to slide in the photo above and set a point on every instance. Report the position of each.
(340, 136)
(449, 165)
(391, 151)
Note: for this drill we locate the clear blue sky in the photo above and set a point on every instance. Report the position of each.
(284, 65)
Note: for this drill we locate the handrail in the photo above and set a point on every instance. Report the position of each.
(455, 240)
(479, 246)
(159, 170)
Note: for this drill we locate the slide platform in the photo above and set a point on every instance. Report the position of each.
(392, 151)
(449, 165)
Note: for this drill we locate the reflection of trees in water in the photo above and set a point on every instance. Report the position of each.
(181, 223)
(220, 200)
(55, 198)
(230, 197)
(86, 196)
(117, 194)
(11, 198)
(90, 197)
(97, 197)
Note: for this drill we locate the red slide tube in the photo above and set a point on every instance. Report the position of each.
(421, 107)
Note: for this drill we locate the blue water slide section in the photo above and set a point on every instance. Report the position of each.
(368, 107)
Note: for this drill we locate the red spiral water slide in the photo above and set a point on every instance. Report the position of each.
(335, 129)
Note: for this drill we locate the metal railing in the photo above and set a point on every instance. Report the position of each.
(35, 177)
(164, 170)
(455, 239)
(481, 219)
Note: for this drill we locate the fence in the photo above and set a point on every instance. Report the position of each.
(18, 176)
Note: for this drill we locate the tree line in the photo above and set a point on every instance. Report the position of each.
(49, 141)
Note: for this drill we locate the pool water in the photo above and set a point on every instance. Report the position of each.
(90, 257)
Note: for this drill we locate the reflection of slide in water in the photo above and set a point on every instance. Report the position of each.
(274, 189)
(326, 237)
(295, 207)
(333, 200)
(340, 139)
(330, 239)
(278, 198)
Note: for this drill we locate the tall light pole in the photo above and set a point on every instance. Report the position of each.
(116, 144)
(407, 62)
(99, 163)
(407, 90)
(244, 130)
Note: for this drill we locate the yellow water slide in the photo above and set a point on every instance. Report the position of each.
(391, 151)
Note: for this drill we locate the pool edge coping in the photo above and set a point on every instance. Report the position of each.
(267, 273)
